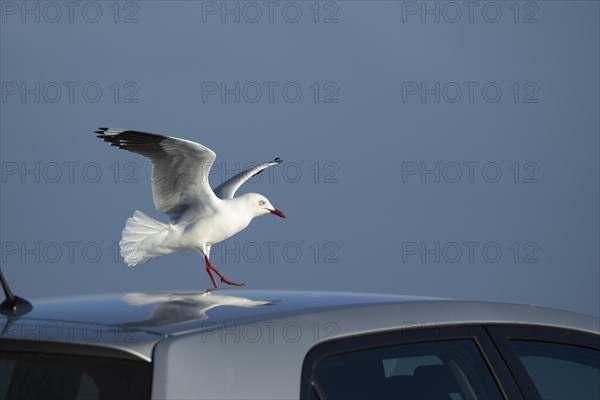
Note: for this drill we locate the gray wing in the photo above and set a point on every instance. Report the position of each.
(179, 168)
(228, 188)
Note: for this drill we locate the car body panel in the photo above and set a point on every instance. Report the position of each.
(263, 358)
(236, 343)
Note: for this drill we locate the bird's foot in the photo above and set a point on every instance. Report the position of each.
(227, 281)
(224, 279)
(210, 268)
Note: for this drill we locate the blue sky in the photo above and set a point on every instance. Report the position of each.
(430, 148)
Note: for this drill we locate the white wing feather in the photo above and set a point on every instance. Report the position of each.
(180, 168)
(228, 188)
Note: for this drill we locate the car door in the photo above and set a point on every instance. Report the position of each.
(447, 362)
(551, 363)
(457, 362)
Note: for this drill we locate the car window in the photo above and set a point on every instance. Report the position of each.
(561, 371)
(450, 369)
(26, 375)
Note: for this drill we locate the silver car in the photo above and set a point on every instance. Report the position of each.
(234, 344)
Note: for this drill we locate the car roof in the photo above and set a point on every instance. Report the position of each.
(134, 322)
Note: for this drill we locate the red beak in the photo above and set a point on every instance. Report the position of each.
(278, 213)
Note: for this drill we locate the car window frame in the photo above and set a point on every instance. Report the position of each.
(76, 349)
(503, 334)
(21, 346)
(476, 332)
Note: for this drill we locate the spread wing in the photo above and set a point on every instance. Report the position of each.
(228, 188)
(179, 168)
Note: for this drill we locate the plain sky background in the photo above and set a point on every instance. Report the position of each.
(443, 149)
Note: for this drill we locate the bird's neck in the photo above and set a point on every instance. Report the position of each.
(241, 207)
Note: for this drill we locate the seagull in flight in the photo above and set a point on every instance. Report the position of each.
(200, 217)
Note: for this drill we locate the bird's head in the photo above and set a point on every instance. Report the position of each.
(260, 205)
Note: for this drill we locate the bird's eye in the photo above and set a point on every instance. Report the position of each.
(261, 202)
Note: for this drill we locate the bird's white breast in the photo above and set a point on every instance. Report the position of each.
(212, 228)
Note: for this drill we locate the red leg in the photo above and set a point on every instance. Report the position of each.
(212, 278)
(210, 266)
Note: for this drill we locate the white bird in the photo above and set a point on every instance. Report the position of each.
(200, 217)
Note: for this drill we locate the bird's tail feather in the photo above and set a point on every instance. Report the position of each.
(141, 239)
